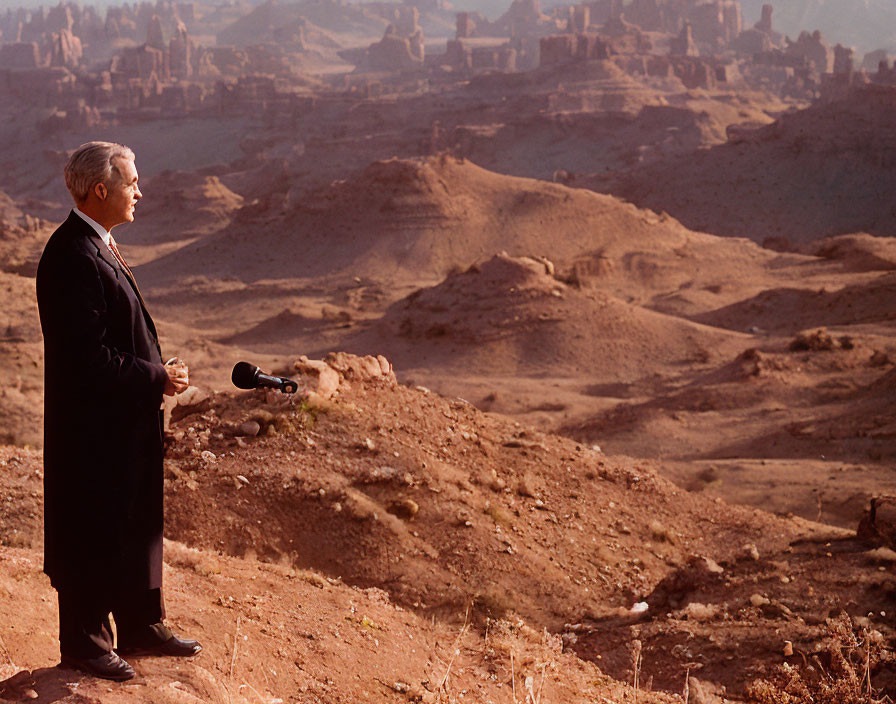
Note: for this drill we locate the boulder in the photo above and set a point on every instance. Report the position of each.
(319, 377)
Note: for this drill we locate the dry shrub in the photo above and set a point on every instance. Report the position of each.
(499, 515)
(852, 656)
(493, 603)
(288, 420)
(819, 340)
(313, 578)
(180, 555)
(661, 533)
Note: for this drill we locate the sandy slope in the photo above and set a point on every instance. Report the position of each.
(424, 503)
(402, 220)
(509, 316)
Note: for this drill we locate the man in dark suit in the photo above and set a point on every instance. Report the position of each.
(103, 447)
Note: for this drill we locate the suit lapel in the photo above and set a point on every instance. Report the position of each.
(104, 253)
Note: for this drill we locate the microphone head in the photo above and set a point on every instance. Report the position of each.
(244, 375)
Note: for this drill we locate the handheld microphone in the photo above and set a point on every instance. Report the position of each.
(248, 376)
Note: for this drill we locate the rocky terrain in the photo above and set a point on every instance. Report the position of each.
(461, 552)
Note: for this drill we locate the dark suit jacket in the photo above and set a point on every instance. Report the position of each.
(103, 449)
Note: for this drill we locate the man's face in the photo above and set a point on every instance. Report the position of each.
(123, 193)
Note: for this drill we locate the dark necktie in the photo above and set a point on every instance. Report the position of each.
(124, 264)
(133, 282)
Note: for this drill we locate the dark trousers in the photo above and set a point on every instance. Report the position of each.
(85, 629)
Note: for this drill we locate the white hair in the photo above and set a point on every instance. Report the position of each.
(92, 163)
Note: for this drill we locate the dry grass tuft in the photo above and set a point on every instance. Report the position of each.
(839, 674)
(313, 578)
(499, 515)
(180, 555)
(285, 420)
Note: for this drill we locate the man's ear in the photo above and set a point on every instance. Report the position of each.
(100, 190)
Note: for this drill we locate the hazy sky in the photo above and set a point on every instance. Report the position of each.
(867, 25)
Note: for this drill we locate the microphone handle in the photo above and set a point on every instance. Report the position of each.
(277, 382)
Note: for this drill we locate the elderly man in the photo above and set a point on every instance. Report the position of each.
(104, 381)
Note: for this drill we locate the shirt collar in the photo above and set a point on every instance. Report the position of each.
(104, 234)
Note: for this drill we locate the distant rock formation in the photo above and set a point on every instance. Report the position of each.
(715, 22)
(66, 49)
(761, 37)
(874, 60)
(813, 49)
(154, 35)
(400, 49)
(395, 52)
(181, 53)
(684, 44)
(566, 48)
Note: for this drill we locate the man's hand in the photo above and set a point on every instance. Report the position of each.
(178, 376)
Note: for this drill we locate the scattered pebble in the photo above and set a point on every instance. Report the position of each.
(750, 551)
(250, 428)
(759, 600)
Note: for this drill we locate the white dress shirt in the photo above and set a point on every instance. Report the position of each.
(104, 234)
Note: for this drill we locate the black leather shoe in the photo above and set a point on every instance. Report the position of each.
(107, 666)
(173, 647)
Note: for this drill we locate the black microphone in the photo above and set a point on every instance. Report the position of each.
(248, 376)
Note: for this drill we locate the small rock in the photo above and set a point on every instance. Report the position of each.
(775, 609)
(250, 428)
(405, 509)
(696, 611)
(189, 401)
(788, 648)
(527, 486)
(882, 555)
(759, 600)
(191, 396)
(242, 479)
(749, 552)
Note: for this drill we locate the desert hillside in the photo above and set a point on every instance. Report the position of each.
(382, 518)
